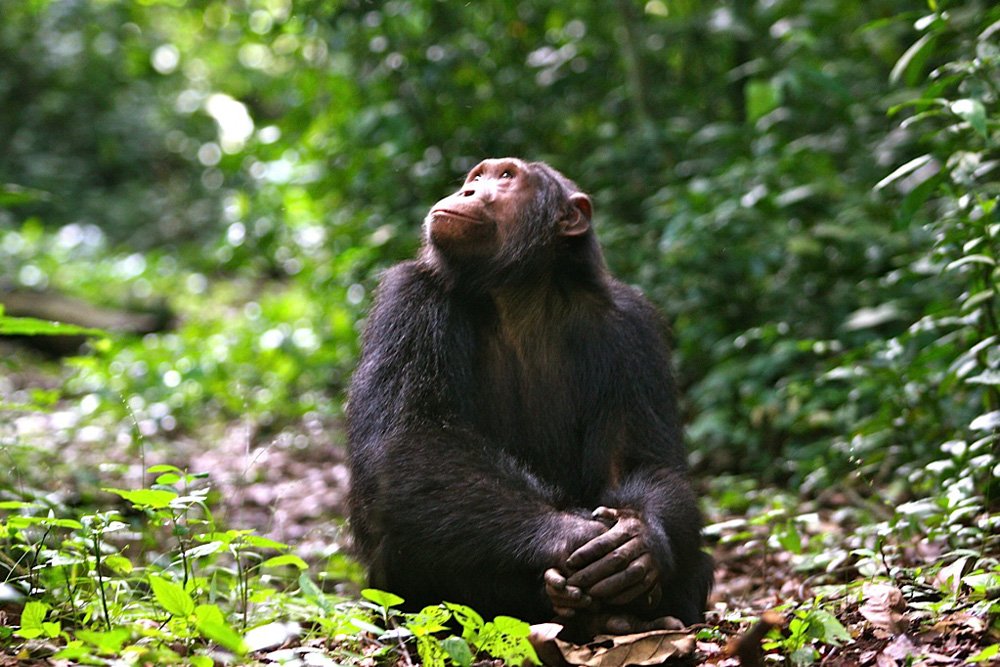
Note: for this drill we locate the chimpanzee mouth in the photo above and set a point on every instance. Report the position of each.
(448, 213)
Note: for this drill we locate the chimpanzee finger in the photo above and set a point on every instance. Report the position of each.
(563, 596)
(611, 563)
(616, 584)
(646, 587)
(646, 564)
(600, 546)
(561, 606)
(607, 515)
(554, 578)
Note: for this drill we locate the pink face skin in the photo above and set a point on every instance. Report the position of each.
(475, 220)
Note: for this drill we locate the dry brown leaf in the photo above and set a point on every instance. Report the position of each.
(960, 622)
(644, 648)
(883, 607)
(882, 660)
(543, 639)
(901, 648)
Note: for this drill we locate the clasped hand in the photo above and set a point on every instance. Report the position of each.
(613, 566)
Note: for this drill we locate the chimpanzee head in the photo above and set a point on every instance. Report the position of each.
(511, 220)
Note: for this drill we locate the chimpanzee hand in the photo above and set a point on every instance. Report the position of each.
(616, 566)
(575, 532)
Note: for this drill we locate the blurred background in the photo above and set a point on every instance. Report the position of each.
(806, 188)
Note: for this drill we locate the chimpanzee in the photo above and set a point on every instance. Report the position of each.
(513, 426)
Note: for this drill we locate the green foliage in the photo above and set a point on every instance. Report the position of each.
(29, 326)
(808, 627)
(209, 590)
(924, 401)
(33, 622)
(738, 194)
(503, 637)
(807, 188)
(89, 595)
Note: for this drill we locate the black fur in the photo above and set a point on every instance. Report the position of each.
(492, 397)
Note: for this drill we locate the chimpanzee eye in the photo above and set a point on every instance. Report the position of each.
(477, 177)
(507, 174)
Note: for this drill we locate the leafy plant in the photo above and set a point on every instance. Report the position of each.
(808, 627)
(85, 591)
(503, 637)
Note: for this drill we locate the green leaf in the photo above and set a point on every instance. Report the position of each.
(789, 538)
(365, 626)
(972, 259)
(265, 543)
(762, 97)
(831, 630)
(313, 592)
(507, 638)
(16, 505)
(29, 326)
(22, 521)
(972, 112)
(458, 650)
(989, 377)
(986, 655)
(172, 597)
(118, 564)
(163, 467)
(917, 197)
(513, 627)
(429, 620)
(19, 521)
(468, 618)
(381, 598)
(986, 421)
(212, 625)
(804, 655)
(286, 559)
(109, 643)
(977, 299)
(32, 618)
(12, 194)
(152, 498)
(74, 651)
(900, 172)
(203, 550)
(911, 61)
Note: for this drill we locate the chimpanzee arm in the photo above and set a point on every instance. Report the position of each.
(437, 510)
(649, 562)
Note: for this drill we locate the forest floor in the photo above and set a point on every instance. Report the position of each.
(290, 486)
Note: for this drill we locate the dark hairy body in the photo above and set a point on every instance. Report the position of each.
(514, 434)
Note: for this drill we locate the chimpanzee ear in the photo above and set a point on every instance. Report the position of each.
(577, 221)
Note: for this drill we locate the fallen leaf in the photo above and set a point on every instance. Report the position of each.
(543, 639)
(960, 622)
(271, 635)
(882, 660)
(901, 648)
(645, 648)
(949, 579)
(883, 607)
